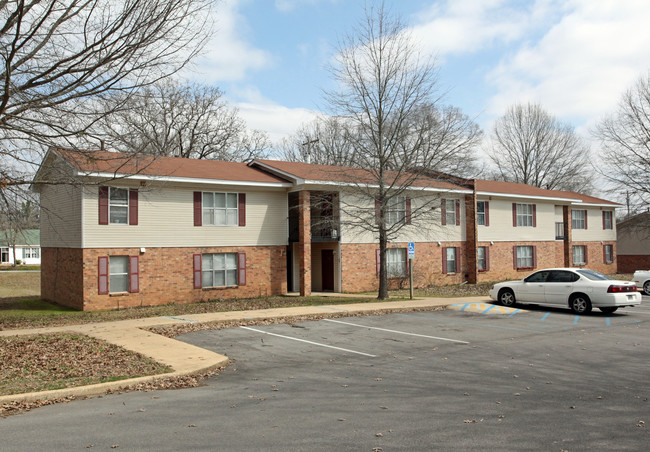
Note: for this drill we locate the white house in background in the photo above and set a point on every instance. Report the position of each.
(28, 248)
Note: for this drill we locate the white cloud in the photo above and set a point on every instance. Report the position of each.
(290, 5)
(228, 56)
(581, 65)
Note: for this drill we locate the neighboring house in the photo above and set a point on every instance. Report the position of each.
(145, 231)
(633, 243)
(28, 247)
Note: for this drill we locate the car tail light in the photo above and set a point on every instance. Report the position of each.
(617, 288)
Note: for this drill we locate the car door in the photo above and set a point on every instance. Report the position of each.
(532, 289)
(559, 286)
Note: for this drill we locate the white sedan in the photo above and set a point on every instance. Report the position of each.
(642, 280)
(580, 289)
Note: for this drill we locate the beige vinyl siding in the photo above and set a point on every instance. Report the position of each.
(502, 230)
(423, 228)
(166, 219)
(60, 216)
(594, 231)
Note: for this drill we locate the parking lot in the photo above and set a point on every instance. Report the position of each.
(460, 379)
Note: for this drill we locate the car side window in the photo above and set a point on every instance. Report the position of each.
(538, 277)
(562, 276)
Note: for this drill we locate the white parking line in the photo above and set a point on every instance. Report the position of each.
(395, 331)
(308, 342)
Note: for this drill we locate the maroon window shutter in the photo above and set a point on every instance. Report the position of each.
(242, 209)
(514, 257)
(198, 208)
(198, 282)
(603, 219)
(444, 260)
(133, 206)
(585, 219)
(134, 274)
(457, 212)
(458, 259)
(514, 216)
(443, 211)
(534, 215)
(103, 275)
(408, 210)
(241, 268)
(604, 253)
(103, 205)
(586, 253)
(487, 258)
(378, 259)
(487, 213)
(535, 256)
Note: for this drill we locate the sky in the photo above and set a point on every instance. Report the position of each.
(574, 57)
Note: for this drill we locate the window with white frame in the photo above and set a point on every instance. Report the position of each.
(607, 219)
(579, 219)
(480, 213)
(118, 274)
(219, 269)
(579, 255)
(396, 212)
(4, 255)
(450, 211)
(525, 257)
(451, 260)
(481, 256)
(31, 253)
(608, 253)
(524, 215)
(118, 205)
(396, 262)
(220, 209)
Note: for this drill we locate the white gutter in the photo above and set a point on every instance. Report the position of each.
(410, 187)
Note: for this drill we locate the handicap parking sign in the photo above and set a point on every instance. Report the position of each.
(411, 249)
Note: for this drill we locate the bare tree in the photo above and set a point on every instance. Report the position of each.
(18, 212)
(60, 57)
(385, 86)
(625, 143)
(185, 120)
(530, 146)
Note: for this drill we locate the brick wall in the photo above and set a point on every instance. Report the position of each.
(166, 276)
(631, 263)
(62, 276)
(549, 254)
(595, 257)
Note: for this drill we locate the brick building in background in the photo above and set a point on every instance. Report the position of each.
(137, 231)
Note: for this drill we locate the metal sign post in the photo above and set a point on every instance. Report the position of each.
(411, 249)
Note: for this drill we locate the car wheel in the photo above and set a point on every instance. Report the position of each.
(580, 304)
(646, 287)
(507, 297)
(609, 309)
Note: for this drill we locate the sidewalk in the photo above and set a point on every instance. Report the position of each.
(188, 359)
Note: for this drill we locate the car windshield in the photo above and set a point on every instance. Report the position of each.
(594, 275)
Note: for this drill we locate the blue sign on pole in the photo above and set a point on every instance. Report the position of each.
(411, 249)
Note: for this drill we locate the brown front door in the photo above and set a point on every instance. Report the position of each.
(327, 270)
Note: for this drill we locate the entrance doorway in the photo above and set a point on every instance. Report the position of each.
(327, 270)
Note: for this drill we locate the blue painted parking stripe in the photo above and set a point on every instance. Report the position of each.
(575, 320)
(545, 315)
(464, 306)
(514, 312)
(491, 307)
(607, 321)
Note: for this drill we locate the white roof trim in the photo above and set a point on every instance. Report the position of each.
(515, 195)
(410, 187)
(190, 180)
(277, 172)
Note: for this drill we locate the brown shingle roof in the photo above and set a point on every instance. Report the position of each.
(119, 163)
(491, 186)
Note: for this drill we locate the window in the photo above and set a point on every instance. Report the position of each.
(118, 206)
(524, 257)
(450, 212)
(118, 274)
(482, 213)
(396, 262)
(220, 209)
(607, 220)
(579, 219)
(524, 215)
(397, 210)
(4, 255)
(219, 270)
(483, 258)
(450, 259)
(579, 255)
(608, 253)
(31, 253)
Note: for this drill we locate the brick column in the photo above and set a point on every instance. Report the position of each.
(471, 238)
(566, 218)
(304, 242)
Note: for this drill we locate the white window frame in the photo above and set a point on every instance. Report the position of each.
(31, 252)
(118, 277)
(609, 254)
(608, 222)
(116, 205)
(229, 213)
(216, 264)
(450, 212)
(480, 214)
(451, 260)
(396, 262)
(481, 261)
(396, 211)
(4, 252)
(525, 257)
(578, 255)
(524, 214)
(578, 219)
